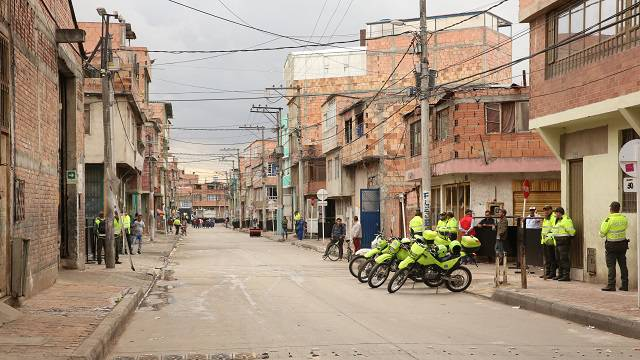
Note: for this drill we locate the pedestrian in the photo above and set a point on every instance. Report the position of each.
(532, 221)
(126, 223)
(562, 232)
(338, 233)
(138, 230)
(488, 221)
(616, 244)
(299, 223)
(101, 235)
(117, 235)
(452, 226)
(176, 224)
(356, 233)
(416, 225)
(502, 233)
(466, 224)
(285, 230)
(548, 244)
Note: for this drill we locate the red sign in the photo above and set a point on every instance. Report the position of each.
(525, 188)
(629, 167)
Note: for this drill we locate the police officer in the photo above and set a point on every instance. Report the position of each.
(452, 226)
(416, 225)
(100, 236)
(441, 227)
(117, 235)
(562, 232)
(614, 230)
(126, 223)
(548, 244)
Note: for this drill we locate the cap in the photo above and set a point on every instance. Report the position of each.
(547, 207)
(532, 208)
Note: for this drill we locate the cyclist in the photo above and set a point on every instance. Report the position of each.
(338, 233)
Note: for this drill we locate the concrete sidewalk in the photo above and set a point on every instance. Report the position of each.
(82, 314)
(576, 301)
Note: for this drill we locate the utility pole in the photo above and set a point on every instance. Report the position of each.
(238, 206)
(279, 153)
(152, 210)
(424, 117)
(109, 165)
(301, 202)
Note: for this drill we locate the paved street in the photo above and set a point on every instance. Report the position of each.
(233, 294)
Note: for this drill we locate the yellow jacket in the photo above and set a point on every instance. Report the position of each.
(416, 225)
(614, 227)
(547, 227)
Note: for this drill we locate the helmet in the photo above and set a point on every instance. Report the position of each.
(442, 251)
(455, 247)
(430, 235)
(395, 245)
(405, 241)
(382, 244)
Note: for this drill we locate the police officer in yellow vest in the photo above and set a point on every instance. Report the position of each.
(126, 223)
(117, 235)
(416, 225)
(549, 244)
(614, 230)
(452, 226)
(441, 227)
(563, 231)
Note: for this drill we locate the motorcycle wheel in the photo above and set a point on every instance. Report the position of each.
(355, 264)
(460, 280)
(379, 275)
(363, 274)
(397, 281)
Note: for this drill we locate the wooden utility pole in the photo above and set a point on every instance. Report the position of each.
(424, 118)
(109, 164)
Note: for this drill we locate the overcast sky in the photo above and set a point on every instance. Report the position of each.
(162, 25)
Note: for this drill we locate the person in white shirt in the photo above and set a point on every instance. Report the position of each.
(533, 223)
(356, 233)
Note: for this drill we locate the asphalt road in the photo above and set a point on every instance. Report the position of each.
(235, 294)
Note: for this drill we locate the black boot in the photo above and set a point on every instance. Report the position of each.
(609, 288)
(624, 287)
(564, 276)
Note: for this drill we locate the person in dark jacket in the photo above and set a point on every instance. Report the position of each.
(338, 233)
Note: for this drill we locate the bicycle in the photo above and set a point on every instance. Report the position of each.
(334, 251)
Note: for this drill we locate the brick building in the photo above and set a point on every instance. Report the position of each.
(259, 175)
(585, 104)
(481, 151)
(41, 144)
(343, 120)
(211, 200)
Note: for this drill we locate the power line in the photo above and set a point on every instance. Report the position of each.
(333, 14)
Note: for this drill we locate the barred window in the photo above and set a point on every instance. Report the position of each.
(415, 138)
(629, 204)
(4, 84)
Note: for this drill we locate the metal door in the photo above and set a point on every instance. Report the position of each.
(575, 211)
(370, 215)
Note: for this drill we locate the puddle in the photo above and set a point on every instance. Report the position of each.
(158, 298)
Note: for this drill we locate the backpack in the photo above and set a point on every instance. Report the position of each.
(101, 227)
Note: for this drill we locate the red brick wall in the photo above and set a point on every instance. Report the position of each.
(37, 130)
(611, 77)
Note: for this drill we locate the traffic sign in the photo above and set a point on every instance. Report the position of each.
(526, 186)
(323, 203)
(322, 194)
(628, 158)
(629, 185)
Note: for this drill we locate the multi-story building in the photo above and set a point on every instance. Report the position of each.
(481, 151)
(211, 198)
(347, 106)
(259, 182)
(41, 145)
(129, 112)
(585, 104)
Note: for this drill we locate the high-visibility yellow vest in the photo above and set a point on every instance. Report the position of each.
(416, 225)
(297, 217)
(176, 221)
(117, 228)
(126, 223)
(441, 227)
(563, 227)
(614, 227)
(452, 226)
(547, 227)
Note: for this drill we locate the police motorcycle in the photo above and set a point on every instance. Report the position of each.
(365, 269)
(388, 262)
(378, 245)
(435, 264)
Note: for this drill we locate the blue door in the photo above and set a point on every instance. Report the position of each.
(370, 215)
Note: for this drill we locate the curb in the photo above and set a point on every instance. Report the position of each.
(308, 246)
(610, 323)
(97, 345)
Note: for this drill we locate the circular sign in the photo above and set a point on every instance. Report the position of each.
(526, 186)
(322, 194)
(628, 158)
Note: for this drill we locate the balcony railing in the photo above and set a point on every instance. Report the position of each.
(617, 43)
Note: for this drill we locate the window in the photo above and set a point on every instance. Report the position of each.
(348, 136)
(196, 197)
(272, 169)
(4, 84)
(272, 193)
(87, 119)
(415, 138)
(442, 124)
(588, 17)
(507, 117)
(337, 165)
(359, 125)
(329, 165)
(456, 198)
(436, 206)
(629, 204)
(213, 197)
